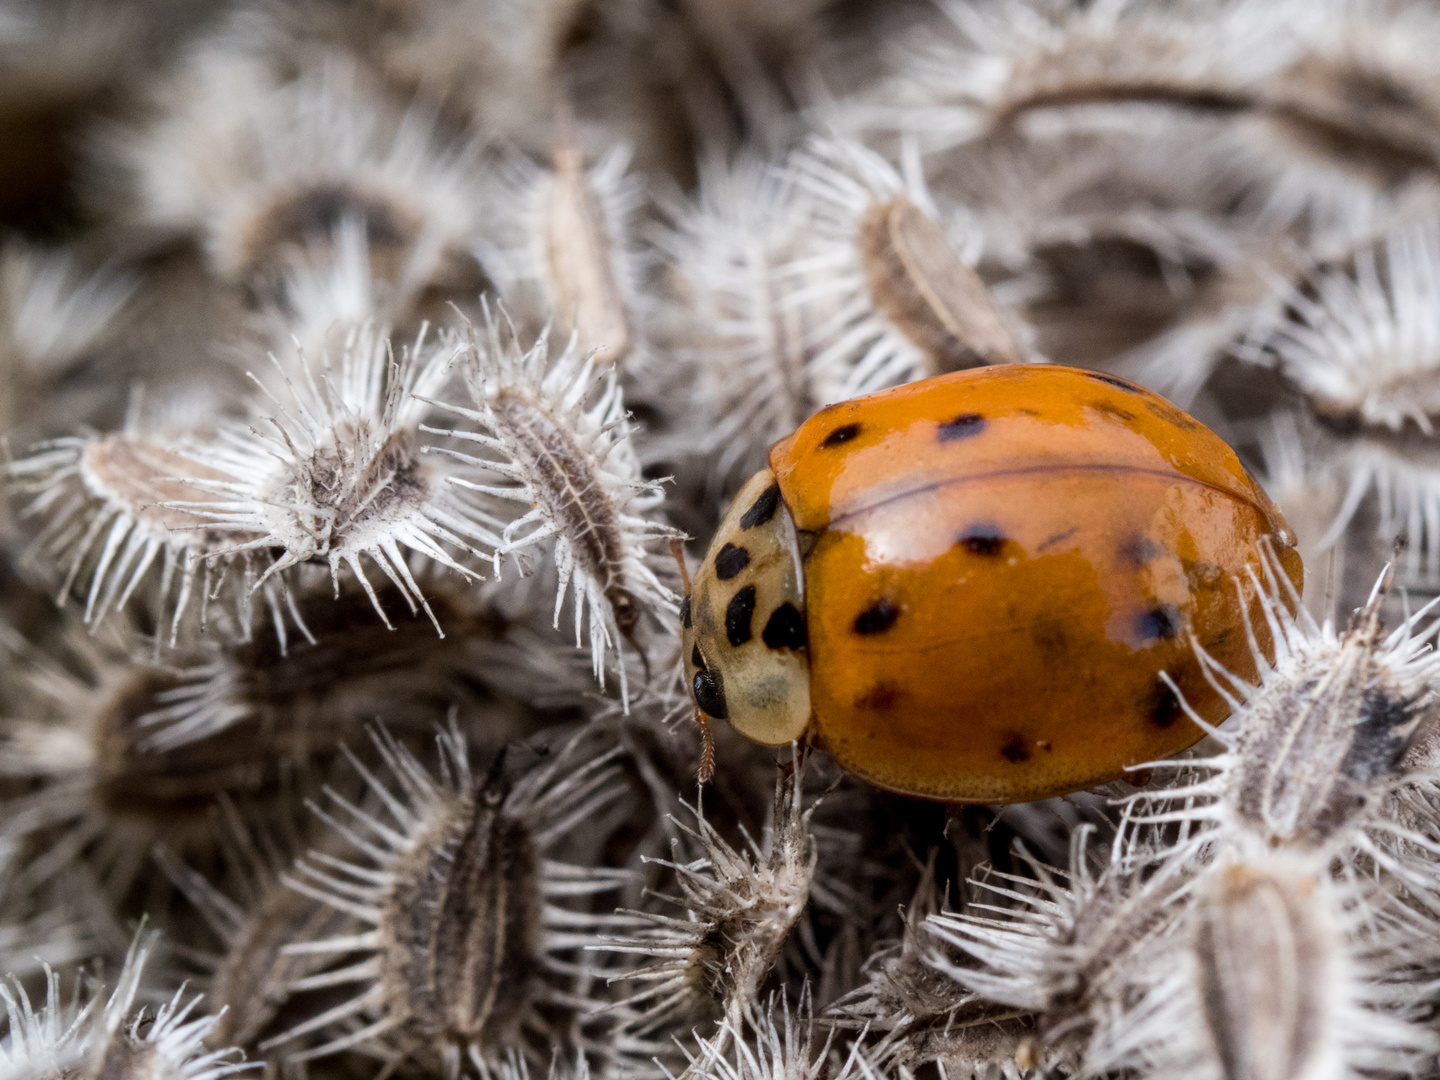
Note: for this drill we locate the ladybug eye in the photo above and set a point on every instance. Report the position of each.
(710, 694)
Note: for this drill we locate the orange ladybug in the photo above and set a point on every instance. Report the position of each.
(967, 588)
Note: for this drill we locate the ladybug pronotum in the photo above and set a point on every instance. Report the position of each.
(968, 588)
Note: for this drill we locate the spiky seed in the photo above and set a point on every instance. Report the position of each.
(739, 907)
(462, 928)
(337, 474)
(461, 961)
(878, 271)
(1263, 968)
(579, 257)
(1064, 946)
(1315, 747)
(108, 504)
(109, 1042)
(1362, 339)
(350, 670)
(922, 1014)
(920, 284)
(247, 982)
(97, 797)
(556, 441)
(257, 169)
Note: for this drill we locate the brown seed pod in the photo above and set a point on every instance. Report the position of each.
(1264, 965)
(465, 960)
(95, 794)
(920, 285)
(317, 693)
(712, 963)
(921, 1014)
(553, 437)
(581, 250)
(247, 981)
(108, 504)
(1313, 749)
(1277, 971)
(894, 298)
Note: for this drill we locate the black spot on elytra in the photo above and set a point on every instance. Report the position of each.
(762, 509)
(696, 660)
(1051, 638)
(709, 692)
(882, 697)
(1015, 751)
(878, 617)
(1142, 550)
(1165, 411)
(685, 620)
(785, 629)
(960, 427)
(738, 614)
(1051, 541)
(1164, 707)
(1119, 384)
(1105, 408)
(730, 560)
(1162, 621)
(982, 538)
(841, 435)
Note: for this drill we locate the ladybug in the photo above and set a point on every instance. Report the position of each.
(983, 587)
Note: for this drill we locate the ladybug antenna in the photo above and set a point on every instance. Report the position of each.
(677, 548)
(707, 755)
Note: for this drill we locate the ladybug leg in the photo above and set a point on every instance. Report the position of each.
(707, 755)
(800, 752)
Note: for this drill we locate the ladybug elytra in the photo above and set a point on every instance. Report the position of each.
(983, 587)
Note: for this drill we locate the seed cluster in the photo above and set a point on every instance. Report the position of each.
(364, 367)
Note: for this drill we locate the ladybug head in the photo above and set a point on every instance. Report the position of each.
(743, 622)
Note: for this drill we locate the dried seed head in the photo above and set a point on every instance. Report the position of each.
(565, 234)
(314, 694)
(554, 437)
(923, 1015)
(121, 508)
(1014, 59)
(466, 956)
(1063, 946)
(52, 317)
(895, 300)
(1317, 744)
(255, 168)
(1363, 341)
(247, 981)
(736, 317)
(739, 907)
(1276, 972)
(336, 473)
(918, 283)
(90, 792)
(90, 1043)
(1264, 960)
